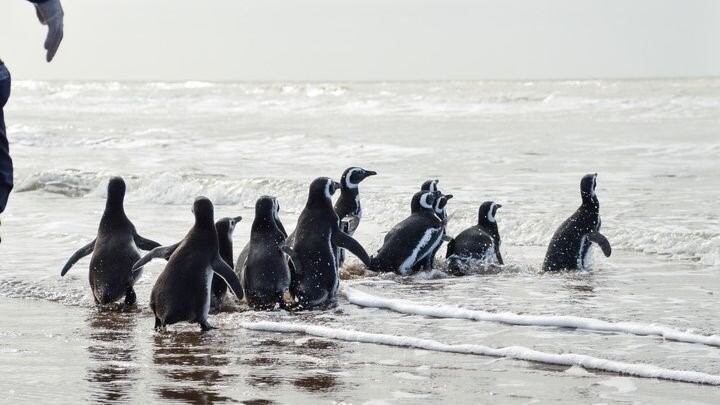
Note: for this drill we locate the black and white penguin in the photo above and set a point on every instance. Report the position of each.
(440, 208)
(114, 251)
(225, 227)
(265, 274)
(315, 277)
(182, 291)
(430, 185)
(480, 243)
(413, 239)
(348, 207)
(570, 245)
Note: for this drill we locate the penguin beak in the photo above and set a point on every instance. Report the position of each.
(335, 187)
(448, 196)
(498, 205)
(369, 173)
(237, 219)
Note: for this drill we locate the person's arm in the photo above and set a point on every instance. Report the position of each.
(50, 13)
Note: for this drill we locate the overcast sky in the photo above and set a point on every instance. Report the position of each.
(367, 39)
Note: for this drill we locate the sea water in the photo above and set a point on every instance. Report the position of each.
(654, 144)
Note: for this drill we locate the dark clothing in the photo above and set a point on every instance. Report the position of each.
(6, 167)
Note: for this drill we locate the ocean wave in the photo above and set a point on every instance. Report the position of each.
(597, 100)
(16, 288)
(699, 244)
(510, 352)
(167, 188)
(69, 182)
(192, 84)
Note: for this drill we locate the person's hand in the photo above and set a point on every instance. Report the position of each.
(50, 13)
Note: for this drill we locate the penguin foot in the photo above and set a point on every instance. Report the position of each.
(159, 327)
(130, 297)
(205, 326)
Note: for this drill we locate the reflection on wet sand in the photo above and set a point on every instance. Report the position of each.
(302, 363)
(317, 382)
(112, 352)
(191, 362)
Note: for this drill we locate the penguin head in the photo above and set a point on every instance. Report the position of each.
(203, 210)
(266, 207)
(116, 190)
(352, 176)
(587, 188)
(321, 191)
(424, 201)
(441, 202)
(487, 216)
(226, 226)
(430, 185)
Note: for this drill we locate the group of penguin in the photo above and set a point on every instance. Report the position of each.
(301, 270)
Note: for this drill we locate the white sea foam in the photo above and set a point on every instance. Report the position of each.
(510, 352)
(363, 299)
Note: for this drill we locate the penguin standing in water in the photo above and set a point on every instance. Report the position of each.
(479, 243)
(413, 239)
(265, 273)
(242, 257)
(570, 245)
(114, 251)
(440, 208)
(182, 291)
(315, 278)
(225, 228)
(348, 207)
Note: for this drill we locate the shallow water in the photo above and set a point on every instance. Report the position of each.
(655, 145)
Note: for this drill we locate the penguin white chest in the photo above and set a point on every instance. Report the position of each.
(584, 253)
(208, 292)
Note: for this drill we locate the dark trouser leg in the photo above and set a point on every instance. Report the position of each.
(6, 167)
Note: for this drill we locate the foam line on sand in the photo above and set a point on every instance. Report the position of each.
(364, 299)
(511, 352)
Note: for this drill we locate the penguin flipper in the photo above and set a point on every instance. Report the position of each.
(350, 224)
(295, 261)
(84, 251)
(225, 272)
(601, 240)
(144, 243)
(163, 252)
(346, 241)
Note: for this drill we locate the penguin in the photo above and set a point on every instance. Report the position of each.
(480, 242)
(114, 251)
(315, 280)
(441, 211)
(570, 245)
(348, 207)
(182, 291)
(265, 274)
(225, 227)
(430, 185)
(246, 249)
(413, 239)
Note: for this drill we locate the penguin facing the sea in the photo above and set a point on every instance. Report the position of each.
(570, 245)
(114, 251)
